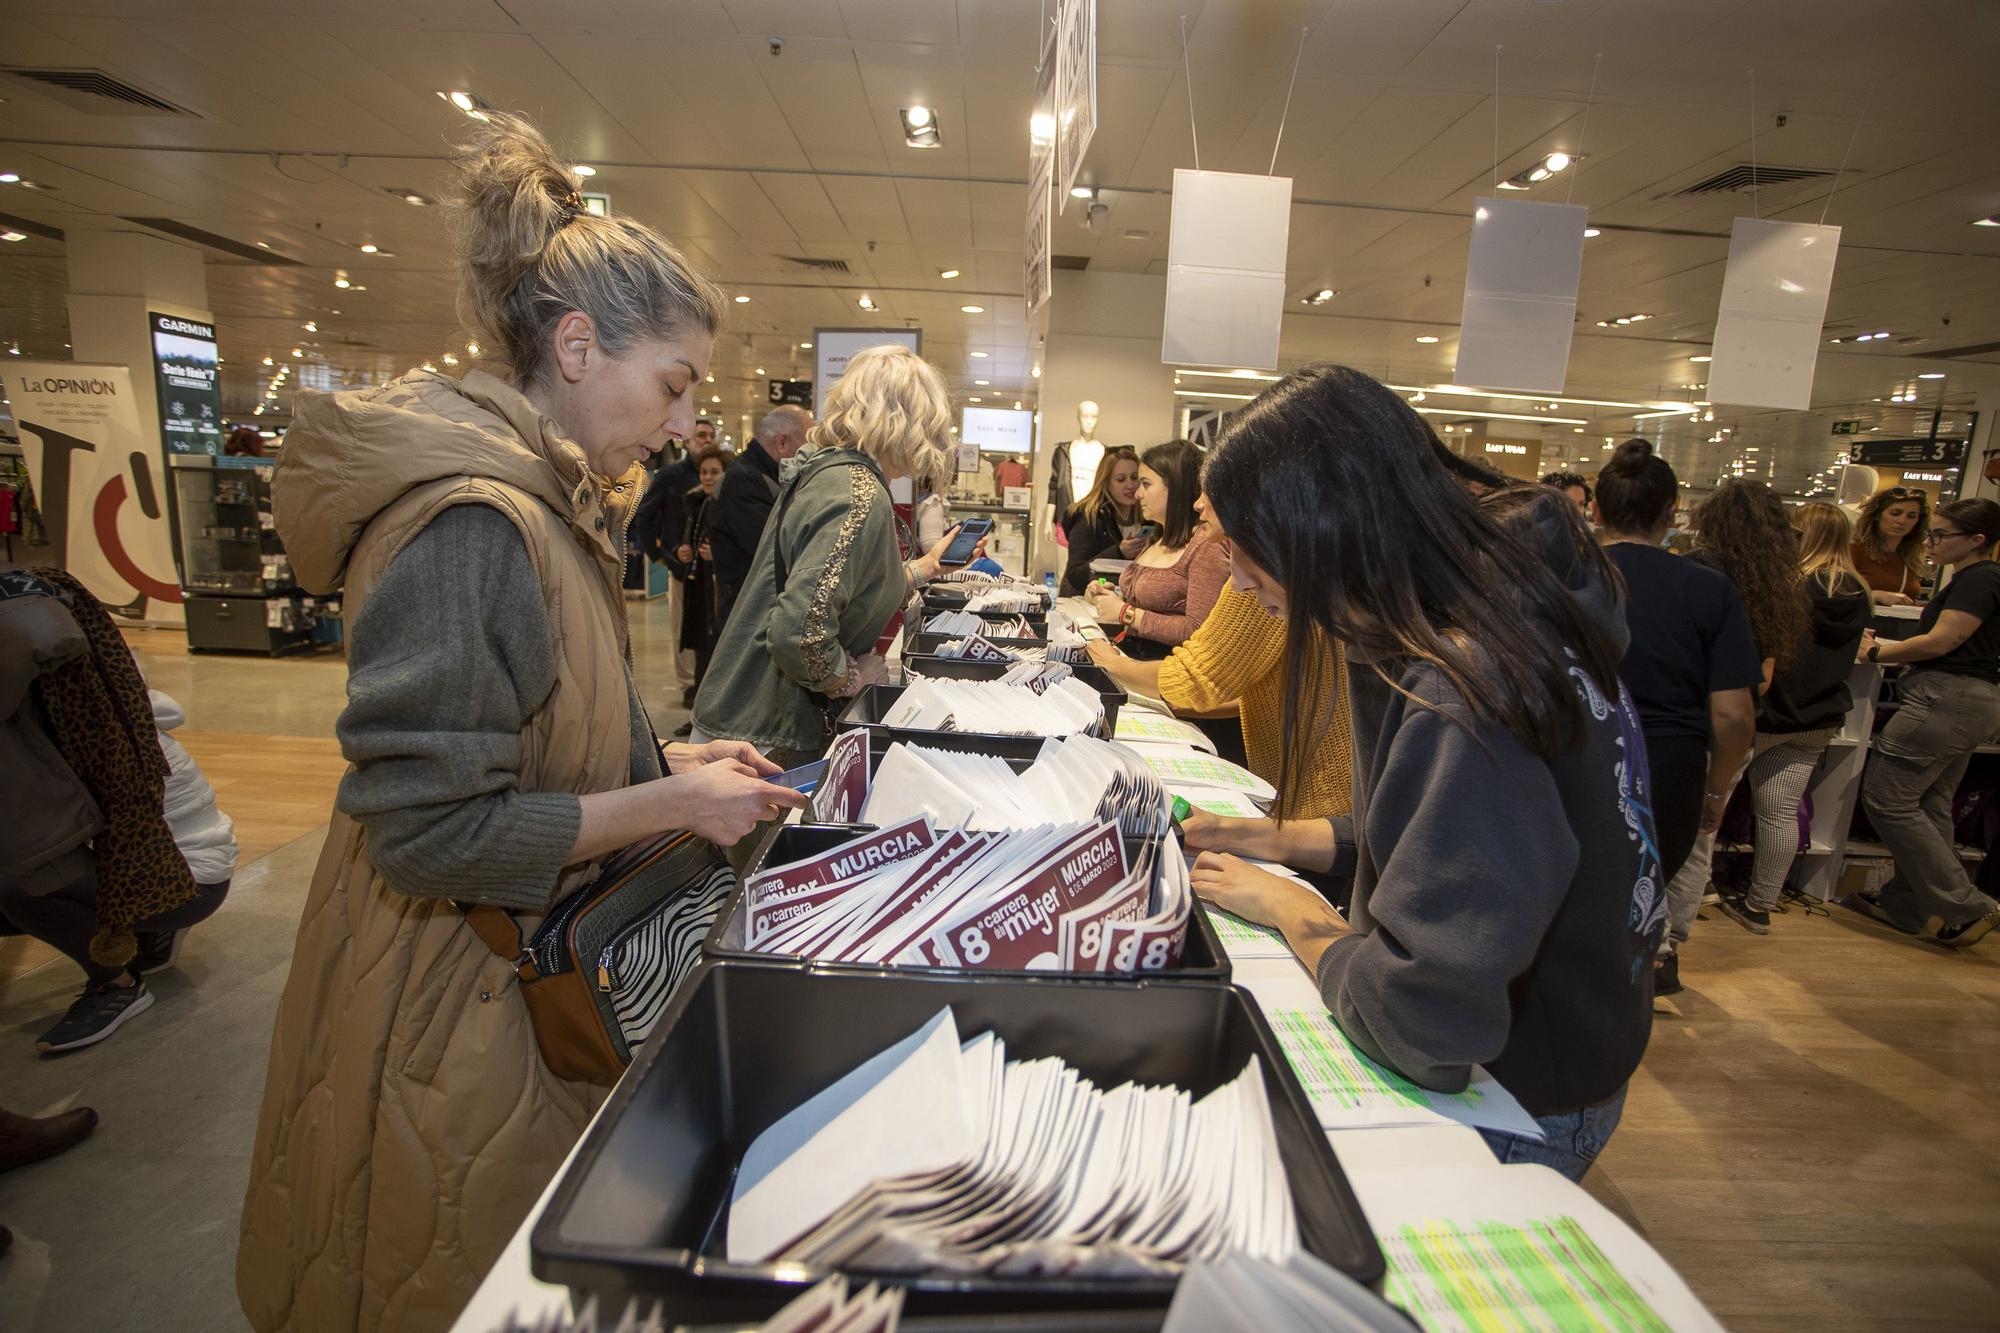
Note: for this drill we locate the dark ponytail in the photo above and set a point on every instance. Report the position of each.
(1637, 489)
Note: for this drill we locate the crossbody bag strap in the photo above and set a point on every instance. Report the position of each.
(498, 931)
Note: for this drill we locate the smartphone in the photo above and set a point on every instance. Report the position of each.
(969, 533)
(803, 778)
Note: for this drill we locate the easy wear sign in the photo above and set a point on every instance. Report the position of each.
(100, 485)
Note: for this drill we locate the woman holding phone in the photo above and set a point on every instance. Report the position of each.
(1106, 523)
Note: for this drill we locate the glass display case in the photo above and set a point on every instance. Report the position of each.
(241, 595)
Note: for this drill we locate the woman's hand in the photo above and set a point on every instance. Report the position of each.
(928, 565)
(1103, 652)
(1712, 808)
(684, 553)
(683, 758)
(865, 670)
(1206, 832)
(1131, 546)
(1307, 921)
(724, 801)
(706, 552)
(1106, 605)
(1867, 641)
(1883, 598)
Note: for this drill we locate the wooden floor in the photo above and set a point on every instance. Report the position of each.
(1814, 1139)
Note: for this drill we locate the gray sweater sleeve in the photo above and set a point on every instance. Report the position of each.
(1473, 858)
(446, 664)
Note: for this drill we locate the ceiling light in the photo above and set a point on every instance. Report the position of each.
(920, 127)
(10, 178)
(431, 366)
(1082, 192)
(469, 103)
(1993, 221)
(710, 379)
(805, 347)
(1701, 359)
(263, 245)
(758, 371)
(975, 399)
(980, 355)
(586, 172)
(1427, 337)
(1512, 185)
(268, 361)
(947, 273)
(1557, 161)
(310, 327)
(449, 359)
(1042, 129)
(742, 299)
(1588, 232)
(982, 383)
(1017, 404)
(411, 197)
(472, 348)
(973, 309)
(866, 302)
(297, 351)
(715, 398)
(367, 247)
(1320, 297)
(13, 235)
(1538, 174)
(1931, 375)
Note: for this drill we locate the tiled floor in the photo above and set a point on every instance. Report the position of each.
(1812, 1140)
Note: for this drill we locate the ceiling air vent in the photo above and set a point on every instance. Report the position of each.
(1069, 261)
(94, 91)
(1743, 178)
(817, 265)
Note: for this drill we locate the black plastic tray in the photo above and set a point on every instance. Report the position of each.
(923, 643)
(643, 1208)
(960, 668)
(867, 709)
(947, 597)
(1202, 956)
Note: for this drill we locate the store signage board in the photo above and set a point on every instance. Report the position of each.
(1774, 294)
(1847, 428)
(1076, 89)
(1016, 497)
(998, 430)
(968, 456)
(1038, 238)
(102, 491)
(799, 393)
(1912, 453)
(1226, 269)
(834, 348)
(1521, 278)
(184, 368)
(597, 205)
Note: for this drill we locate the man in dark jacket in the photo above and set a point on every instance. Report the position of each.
(743, 503)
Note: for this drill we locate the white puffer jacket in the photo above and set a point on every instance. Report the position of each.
(204, 834)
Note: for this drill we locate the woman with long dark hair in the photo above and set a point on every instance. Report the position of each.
(1805, 706)
(1692, 666)
(1743, 533)
(1950, 706)
(1507, 889)
(1106, 522)
(1171, 586)
(1889, 543)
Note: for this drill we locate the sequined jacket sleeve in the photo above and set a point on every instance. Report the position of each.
(835, 538)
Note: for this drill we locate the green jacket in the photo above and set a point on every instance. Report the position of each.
(843, 582)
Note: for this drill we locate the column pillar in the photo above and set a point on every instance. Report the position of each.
(1103, 345)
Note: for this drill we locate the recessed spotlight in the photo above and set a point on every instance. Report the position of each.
(310, 326)
(1042, 129)
(1036, 373)
(1017, 404)
(342, 282)
(974, 399)
(368, 247)
(1589, 232)
(469, 103)
(472, 349)
(1509, 185)
(1993, 221)
(298, 351)
(805, 347)
(1701, 360)
(947, 273)
(586, 172)
(10, 178)
(715, 398)
(758, 371)
(980, 355)
(1931, 375)
(982, 383)
(1320, 297)
(1557, 161)
(1082, 192)
(431, 366)
(742, 299)
(866, 302)
(13, 235)
(268, 361)
(1427, 337)
(973, 309)
(920, 127)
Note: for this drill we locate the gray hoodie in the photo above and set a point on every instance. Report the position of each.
(1506, 908)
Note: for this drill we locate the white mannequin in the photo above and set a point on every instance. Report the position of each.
(1086, 451)
(1857, 482)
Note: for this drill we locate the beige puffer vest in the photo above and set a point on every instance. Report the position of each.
(408, 1121)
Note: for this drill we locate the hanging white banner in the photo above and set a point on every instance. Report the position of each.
(101, 487)
(1038, 237)
(1076, 89)
(1774, 295)
(1226, 269)
(1521, 279)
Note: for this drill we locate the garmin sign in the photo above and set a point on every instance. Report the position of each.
(184, 366)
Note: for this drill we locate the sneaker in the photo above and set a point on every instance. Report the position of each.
(1868, 905)
(1667, 974)
(97, 1013)
(1738, 909)
(1961, 937)
(157, 949)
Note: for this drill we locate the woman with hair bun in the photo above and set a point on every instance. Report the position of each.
(497, 751)
(1692, 667)
(1950, 706)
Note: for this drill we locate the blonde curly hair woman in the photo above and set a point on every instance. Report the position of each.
(829, 574)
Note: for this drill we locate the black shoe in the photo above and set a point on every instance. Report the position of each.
(1667, 974)
(684, 730)
(1737, 908)
(687, 697)
(97, 1013)
(1969, 934)
(1868, 905)
(157, 949)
